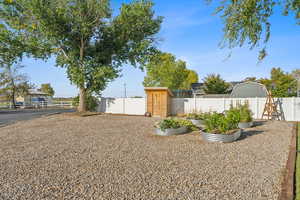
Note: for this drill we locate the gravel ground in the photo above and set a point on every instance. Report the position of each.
(115, 157)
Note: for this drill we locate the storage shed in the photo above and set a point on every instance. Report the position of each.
(158, 101)
(248, 90)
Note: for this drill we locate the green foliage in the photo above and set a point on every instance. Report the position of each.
(245, 113)
(175, 123)
(168, 123)
(218, 123)
(84, 36)
(247, 21)
(13, 83)
(281, 84)
(91, 102)
(196, 116)
(46, 88)
(164, 70)
(234, 114)
(214, 84)
(188, 124)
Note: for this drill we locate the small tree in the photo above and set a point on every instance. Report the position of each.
(250, 79)
(46, 88)
(214, 84)
(85, 37)
(13, 83)
(164, 70)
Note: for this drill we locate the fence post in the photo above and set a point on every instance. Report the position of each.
(195, 104)
(123, 105)
(224, 104)
(257, 107)
(294, 108)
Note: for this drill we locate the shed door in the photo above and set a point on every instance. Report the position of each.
(156, 99)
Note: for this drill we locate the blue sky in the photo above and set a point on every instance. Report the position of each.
(192, 33)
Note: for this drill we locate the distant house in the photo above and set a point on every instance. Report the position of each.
(35, 97)
(3, 97)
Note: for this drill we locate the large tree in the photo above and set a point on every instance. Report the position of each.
(47, 88)
(85, 37)
(248, 21)
(164, 70)
(214, 84)
(282, 84)
(13, 83)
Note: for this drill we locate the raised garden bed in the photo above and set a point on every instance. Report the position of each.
(210, 137)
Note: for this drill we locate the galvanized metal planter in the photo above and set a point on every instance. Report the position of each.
(198, 123)
(245, 124)
(171, 131)
(210, 137)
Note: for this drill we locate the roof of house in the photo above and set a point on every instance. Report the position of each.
(36, 92)
(198, 88)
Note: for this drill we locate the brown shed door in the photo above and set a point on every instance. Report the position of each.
(156, 102)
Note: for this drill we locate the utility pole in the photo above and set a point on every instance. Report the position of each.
(125, 94)
(298, 86)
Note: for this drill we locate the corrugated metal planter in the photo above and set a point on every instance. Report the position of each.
(210, 137)
(245, 124)
(198, 123)
(171, 131)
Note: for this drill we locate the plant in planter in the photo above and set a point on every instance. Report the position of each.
(197, 119)
(221, 127)
(170, 126)
(246, 120)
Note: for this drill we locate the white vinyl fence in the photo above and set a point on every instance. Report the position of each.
(137, 106)
(128, 106)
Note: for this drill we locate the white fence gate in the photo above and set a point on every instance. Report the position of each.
(137, 106)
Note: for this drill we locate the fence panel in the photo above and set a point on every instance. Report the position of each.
(289, 106)
(137, 106)
(129, 106)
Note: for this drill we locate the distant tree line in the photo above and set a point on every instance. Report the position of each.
(280, 83)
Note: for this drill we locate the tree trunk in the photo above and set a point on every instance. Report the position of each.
(82, 100)
(13, 101)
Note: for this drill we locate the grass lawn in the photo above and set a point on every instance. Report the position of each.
(298, 166)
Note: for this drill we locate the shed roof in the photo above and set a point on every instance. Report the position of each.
(159, 89)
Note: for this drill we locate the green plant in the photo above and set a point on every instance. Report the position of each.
(187, 124)
(221, 123)
(168, 123)
(245, 113)
(175, 123)
(234, 115)
(196, 116)
(91, 102)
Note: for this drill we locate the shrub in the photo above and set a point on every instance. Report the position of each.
(175, 123)
(221, 123)
(245, 113)
(234, 115)
(91, 101)
(168, 123)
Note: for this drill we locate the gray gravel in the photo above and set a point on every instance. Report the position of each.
(115, 157)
